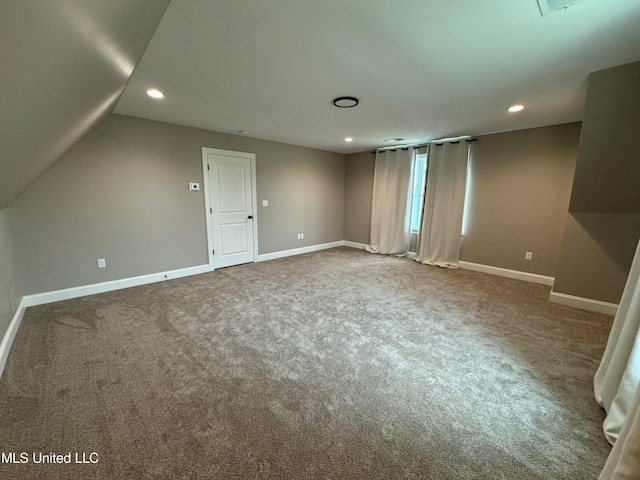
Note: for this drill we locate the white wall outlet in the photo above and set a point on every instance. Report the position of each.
(102, 263)
(528, 255)
(265, 203)
(194, 187)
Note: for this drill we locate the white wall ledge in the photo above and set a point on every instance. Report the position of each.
(583, 303)
(505, 272)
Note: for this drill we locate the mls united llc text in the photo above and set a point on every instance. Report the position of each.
(39, 457)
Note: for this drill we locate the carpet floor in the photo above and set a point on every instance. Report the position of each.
(336, 364)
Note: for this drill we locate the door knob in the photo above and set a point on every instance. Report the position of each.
(250, 217)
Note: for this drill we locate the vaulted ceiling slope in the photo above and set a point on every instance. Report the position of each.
(421, 69)
(63, 66)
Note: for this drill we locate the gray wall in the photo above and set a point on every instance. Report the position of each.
(603, 225)
(519, 190)
(520, 186)
(607, 175)
(7, 269)
(122, 194)
(596, 255)
(358, 191)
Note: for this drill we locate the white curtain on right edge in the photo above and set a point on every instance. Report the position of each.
(444, 205)
(617, 383)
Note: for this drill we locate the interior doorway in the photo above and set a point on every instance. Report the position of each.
(230, 202)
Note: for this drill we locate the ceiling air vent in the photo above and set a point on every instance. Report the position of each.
(547, 7)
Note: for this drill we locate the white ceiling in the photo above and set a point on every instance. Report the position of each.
(422, 69)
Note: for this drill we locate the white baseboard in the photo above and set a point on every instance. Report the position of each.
(297, 251)
(360, 246)
(84, 290)
(583, 303)
(81, 291)
(505, 272)
(10, 334)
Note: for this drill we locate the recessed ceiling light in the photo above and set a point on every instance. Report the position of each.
(155, 93)
(348, 139)
(345, 102)
(515, 108)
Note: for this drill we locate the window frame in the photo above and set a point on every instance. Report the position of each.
(419, 179)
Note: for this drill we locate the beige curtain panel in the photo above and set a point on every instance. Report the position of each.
(441, 233)
(617, 383)
(390, 214)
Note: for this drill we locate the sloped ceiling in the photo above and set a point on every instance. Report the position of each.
(63, 66)
(422, 69)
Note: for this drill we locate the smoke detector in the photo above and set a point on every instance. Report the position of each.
(547, 7)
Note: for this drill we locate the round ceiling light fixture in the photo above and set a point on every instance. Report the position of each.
(348, 139)
(515, 108)
(345, 102)
(155, 93)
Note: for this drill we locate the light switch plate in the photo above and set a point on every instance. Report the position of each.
(265, 203)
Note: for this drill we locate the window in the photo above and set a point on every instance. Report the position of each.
(417, 191)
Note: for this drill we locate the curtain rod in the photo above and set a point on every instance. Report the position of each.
(415, 147)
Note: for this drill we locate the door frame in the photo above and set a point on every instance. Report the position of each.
(207, 198)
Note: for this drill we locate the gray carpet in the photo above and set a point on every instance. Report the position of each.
(335, 364)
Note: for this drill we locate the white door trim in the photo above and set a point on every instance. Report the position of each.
(207, 199)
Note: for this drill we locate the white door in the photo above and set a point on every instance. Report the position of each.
(230, 204)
